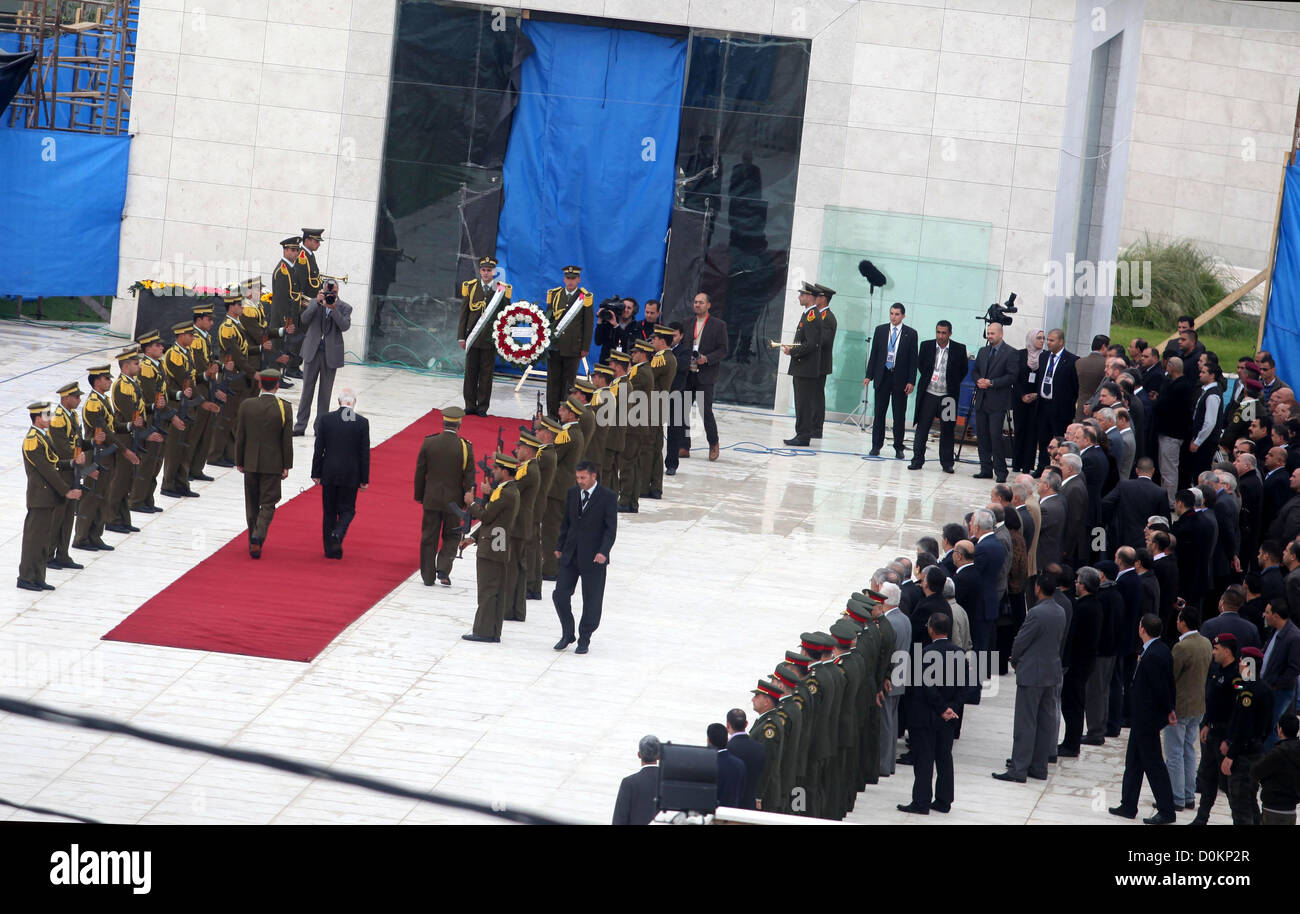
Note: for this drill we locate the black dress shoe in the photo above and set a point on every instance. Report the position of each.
(1159, 819)
(483, 639)
(1199, 820)
(66, 565)
(949, 470)
(1051, 760)
(103, 547)
(874, 452)
(86, 547)
(299, 432)
(565, 641)
(1093, 740)
(899, 454)
(1008, 776)
(221, 462)
(581, 648)
(655, 495)
(171, 493)
(29, 585)
(285, 383)
(904, 759)
(1122, 812)
(201, 477)
(1112, 734)
(121, 528)
(148, 509)
(444, 579)
(45, 586)
(982, 475)
(937, 808)
(1038, 777)
(670, 471)
(1065, 752)
(628, 509)
(797, 442)
(914, 466)
(913, 808)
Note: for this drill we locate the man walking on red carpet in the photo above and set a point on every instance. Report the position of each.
(264, 454)
(340, 466)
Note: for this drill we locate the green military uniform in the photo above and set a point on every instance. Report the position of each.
(68, 441)
(597, 447)
(288, 298)
(566, 349)
(616, 438)
(813, 735)
(46, 492)
(92, 513)
(634, 475)
(663, 365)
(128, 413)
(207, 374)
(444, 472)
(568, 445)
(239, 350)
(791, 710)
(868, 647)
(307, 280)
(769, 732)
(827, 327)
(497, 515)
(791, 678)
(528, 482)
(829, 691)
(264, 450)
(480, 358)
(845, 632)
(546, 466)
(153, 396)
(586, 418)
(805, 370)
(178, 370)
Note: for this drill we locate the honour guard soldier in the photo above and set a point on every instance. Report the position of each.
(790, 708)
(813, 733)
(828, 326)
(128, 414)
(309, 284)
(642, 422)
(570, 348)
(546, 467)
(846, 632)
(97, 419)
(46, 491)
(618, 443)
(867, 646)
(178, 370)
(264, 454)
(598, 444)
(153, 393)
(528, 480)
(805, 367)
(70, 447)
(207, 379)
(497, 516)
(549, 432)
(287, 302)
(829, 691)
(768, 731)
(790, 678)
(663, 365)
(444, 476)
(238, 352)
(571, 411)
(475, 294)
(582, 393)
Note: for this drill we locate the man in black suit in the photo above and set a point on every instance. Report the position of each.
(931, 719)
(638, 794)
(1271, 575)
(743, 746)
(1151, 703)
(1058, 387)
(1277, 488)
(1082, 640)
(1078, 532)
(996, 370)
(1165, 567)
(943, 366)
(1195, 544)
(586, 537)
(340, 465)
(707, 338)
(1173, 415)
(1095, 469)
(967, 593)
(731, 770)
(1128, 505)
(1250, 489)
(891, 369)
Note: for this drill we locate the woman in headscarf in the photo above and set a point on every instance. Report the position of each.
(1026, 404)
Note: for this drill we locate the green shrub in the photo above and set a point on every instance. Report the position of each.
(1185, 279)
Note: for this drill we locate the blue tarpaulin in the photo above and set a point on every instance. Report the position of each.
(590, 168)
(61, 201)
(1282, 324)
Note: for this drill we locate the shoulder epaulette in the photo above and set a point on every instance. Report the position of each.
(466, 286)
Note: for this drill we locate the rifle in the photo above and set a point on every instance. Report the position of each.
(538, 415)
(159, 424)
(486, 466)
(97, 455)
(501, 444)
(221, 384)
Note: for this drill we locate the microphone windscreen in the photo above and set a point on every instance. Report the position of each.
(871, 274)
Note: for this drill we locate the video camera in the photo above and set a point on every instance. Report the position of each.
(613, 306)
(1000, 314)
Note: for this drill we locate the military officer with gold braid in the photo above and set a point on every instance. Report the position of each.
(129, 410)
(582, 392)
(545, 461)
(639, 429)
(153, 392)
(70, 446)
(663, 365)
(620, 440)
(496, 512)
(97, 420)
(308, 282)
(207, 376)
(46, 491)
(567, 351)
(475, 294)
(238, 353)
(597, 445)
(528, 480)
(287, 302)
(178, 369)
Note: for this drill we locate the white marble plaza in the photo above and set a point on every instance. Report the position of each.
(707, 589)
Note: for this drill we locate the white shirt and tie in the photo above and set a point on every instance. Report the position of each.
(1049, 376)
(893, 346)
(938, 386)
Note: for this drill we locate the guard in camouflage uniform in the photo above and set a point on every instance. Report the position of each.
(154, 395)
(634, 474)
(768, 731)
(97, 419)
(663, 365)
(528, 480)
(444, 476)
(70, 447)
(178, 370)
(567, 350)
(480, 359)
(496, 513)
(46, 491)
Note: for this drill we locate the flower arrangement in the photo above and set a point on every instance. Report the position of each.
(521, 333)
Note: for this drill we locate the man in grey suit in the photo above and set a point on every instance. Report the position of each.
(1077, 546)
(1052, 513)
(902, 630)
(995, 371)
(1036, 658)
(323, 323)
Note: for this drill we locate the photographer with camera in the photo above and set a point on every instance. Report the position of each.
(615, 321)
(323, 322)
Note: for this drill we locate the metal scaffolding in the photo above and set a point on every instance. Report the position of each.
(85, 55)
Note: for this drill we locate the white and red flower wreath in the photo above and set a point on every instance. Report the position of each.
(516, 351)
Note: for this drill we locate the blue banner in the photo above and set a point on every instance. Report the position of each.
(1282, 324)
(589, 173)
(62, 212)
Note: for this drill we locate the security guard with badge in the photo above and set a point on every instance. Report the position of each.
(480, 359)
(444, 476)
(663, 365)
(47, 490)
(768, 730)
(567, 350)
(154, 395)
(97, 419)
(1243, 743)
(178, 370)
(496, 512)
(805, 368)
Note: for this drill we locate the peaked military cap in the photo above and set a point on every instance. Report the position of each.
(269, 374)
(528, 438)
(818, 641)
(643, 345)
(203, 310)
(293, 241)
(95, 370)
(233, 298)
(808, 288)
(505, 461)
(665, 332)
(552, 424)
(621, 357)
(572, 270)
(574, 406)
(317, 234)
(39, 407)
(789, 674)
(182, 327)
(603, 369)
(487, 261)
(452, 414)
(70, 389)
(845, 631)
(585, 386)
(128, 354)
(150, 336)
(767, 688)
(797, 658)
(824, 290)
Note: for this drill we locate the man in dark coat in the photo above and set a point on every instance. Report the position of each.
(341, 466)
(586, 537)
(1058, 388)
(931, 721)
(891, 371)
(943, 366)
(1130, 503)
(1083, 639)
(1152, 708)
(638, 794)
(995, 373)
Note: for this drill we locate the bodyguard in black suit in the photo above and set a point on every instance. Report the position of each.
(943, 366)
(1058, 388)
(340, 465)
(1130, 503)
(995, 377)
(891, 369)
(731, 770)
(586, 538)
(1151, 708)
(744, 747)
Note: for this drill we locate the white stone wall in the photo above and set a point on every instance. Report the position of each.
(251, 119)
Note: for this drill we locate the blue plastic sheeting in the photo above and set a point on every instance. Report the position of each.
(1282, 327)
(589, 172)
(62, 203)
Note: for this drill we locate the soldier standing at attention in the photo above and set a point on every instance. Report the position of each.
(46, 491)
(207, 375)
(97, 419)
(548, 432)
(497, 515)
(178, 369)
(128, 414)
(567, 350)
(264, 454)
(69, 446)
(238, 354)
(618, 439)
(598, 444)
(528, 481)
(768, 732)
(153, 393)
(805, 368)
(475, 294)
(639, 423)
(546, 467)
(309, 284)
(663, 365)
(287, 302)
(444, 476)
(828, 327)
(581, 394)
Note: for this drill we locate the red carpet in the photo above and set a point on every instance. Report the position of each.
(294, 601)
